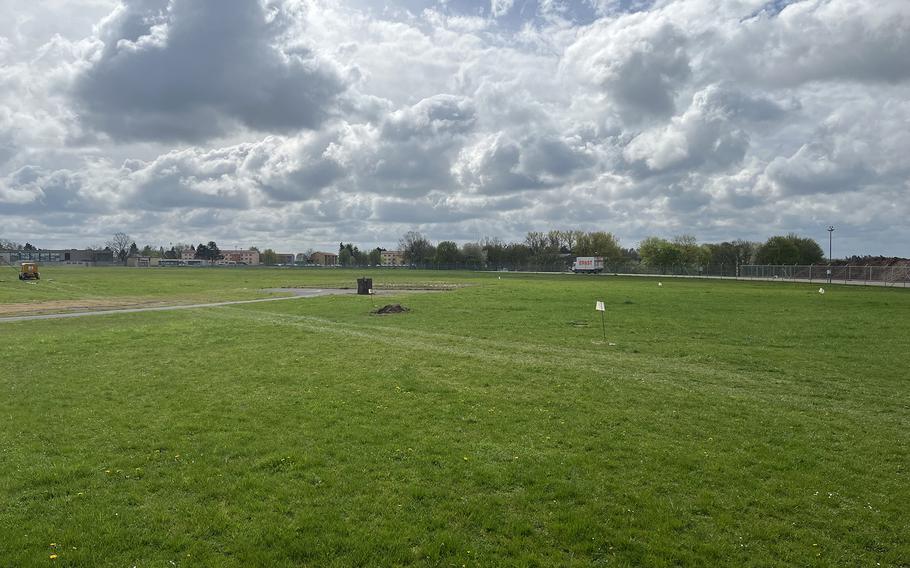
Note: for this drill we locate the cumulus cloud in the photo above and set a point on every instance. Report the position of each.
(825, 40)
(191, 69)
(498, 164)
(639, 60)
(30, 190)
(710, 133)
(411, 152)
(817, 168)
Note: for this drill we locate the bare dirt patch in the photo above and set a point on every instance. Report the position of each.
(80, 305)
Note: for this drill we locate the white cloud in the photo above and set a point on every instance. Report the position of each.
(191, 70)
(640, 61)
(826, 40)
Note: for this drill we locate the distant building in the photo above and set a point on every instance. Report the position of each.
(284, 258)
(88, 256)
(249, 257)
(142, 261)
(188, 254)
(183, 262)
(324, 259)
(392, 258)
(301, 258)
(67, 256)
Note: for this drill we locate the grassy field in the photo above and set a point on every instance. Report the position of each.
(725, 423)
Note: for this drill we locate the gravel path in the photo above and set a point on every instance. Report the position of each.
(298, 293)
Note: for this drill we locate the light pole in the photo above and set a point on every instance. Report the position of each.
(830, 241)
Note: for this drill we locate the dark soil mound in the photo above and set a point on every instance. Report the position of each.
(392, 309)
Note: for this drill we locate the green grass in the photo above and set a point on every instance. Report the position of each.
(171, 284)
(732, 423)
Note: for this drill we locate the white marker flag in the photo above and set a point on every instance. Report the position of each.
(600, 307)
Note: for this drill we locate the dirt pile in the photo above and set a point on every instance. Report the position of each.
(392, 309)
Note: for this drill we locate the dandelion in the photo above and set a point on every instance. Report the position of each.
(53, 557)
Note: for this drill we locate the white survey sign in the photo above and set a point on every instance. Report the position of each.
(600, 307)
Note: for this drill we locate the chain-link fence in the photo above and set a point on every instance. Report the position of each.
(895, 275)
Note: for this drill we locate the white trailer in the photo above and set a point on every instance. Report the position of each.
(588, 264)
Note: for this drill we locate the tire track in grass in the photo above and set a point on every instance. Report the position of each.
(609, 366)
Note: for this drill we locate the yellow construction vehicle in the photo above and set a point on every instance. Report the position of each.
(29, 271)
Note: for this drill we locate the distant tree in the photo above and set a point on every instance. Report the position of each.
(209, 252)
(472, 254)
(690, 253)
(745, 251)
(268, 257)
(495, 251)
(809, 250)
(598, 243)
(447, 253)
(557, 241)
(517, 255)
(375, 257)
(120, 246)
(789, 249)
(213, 252)
(544, 248)
(778, 250)
(659, 252)
(536, 241)
(350, 255)
(630, 254)
(134, 250)
(731, 253)
(570, 240)
(7, 244)
(29, 246)
(722, 254)
(416, 249)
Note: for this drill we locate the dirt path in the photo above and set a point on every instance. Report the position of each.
(298, 293)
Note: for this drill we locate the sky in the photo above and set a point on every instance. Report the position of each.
(298, 124)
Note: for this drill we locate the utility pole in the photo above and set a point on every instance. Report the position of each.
(830, 241)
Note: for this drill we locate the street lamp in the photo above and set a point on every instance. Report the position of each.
(830, 241)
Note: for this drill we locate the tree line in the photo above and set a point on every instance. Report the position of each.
(552, 250)
(557, 249)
